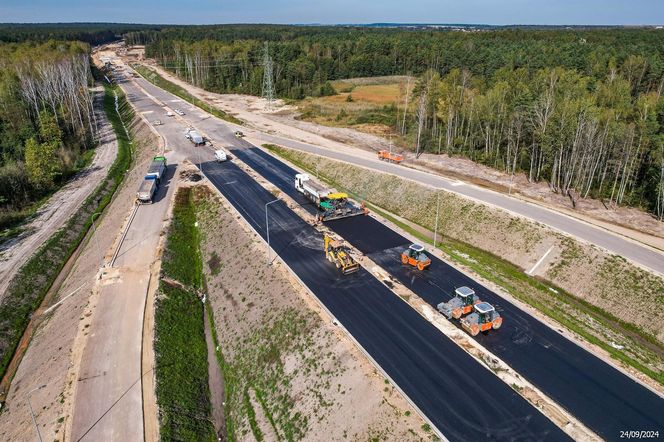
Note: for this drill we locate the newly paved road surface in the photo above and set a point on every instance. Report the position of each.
(585, 383)
(463, 399)
(600, 396)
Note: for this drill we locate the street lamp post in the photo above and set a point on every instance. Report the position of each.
(435, 231)
(32, 413)
(94, 228)
(267, 230)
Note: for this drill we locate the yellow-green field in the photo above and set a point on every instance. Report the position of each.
(371, 108)
(380, 94)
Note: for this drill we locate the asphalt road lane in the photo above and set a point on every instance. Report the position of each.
(462, 398)
(596, 393)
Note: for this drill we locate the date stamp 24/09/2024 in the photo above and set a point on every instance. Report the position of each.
(639, 434)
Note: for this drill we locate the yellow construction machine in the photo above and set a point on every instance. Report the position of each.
(339, 254)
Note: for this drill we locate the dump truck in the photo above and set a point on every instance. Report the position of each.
(386, 155)
(461, 304)
(147, 189)
(339, 253)
(194, 137)
(157, 168)
(414, 255)
(484, 318)
(331, 205)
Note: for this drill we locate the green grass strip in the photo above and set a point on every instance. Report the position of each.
(181, 367)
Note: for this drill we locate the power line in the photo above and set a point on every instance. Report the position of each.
(268, 81)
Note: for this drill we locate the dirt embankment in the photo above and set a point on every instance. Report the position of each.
(56, 346)
(599, 278)
(288, 372)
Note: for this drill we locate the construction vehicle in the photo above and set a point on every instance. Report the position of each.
(339, 254)
(386, 155)
(157, 167)
(146, 190)
(462, 303)
(220, 155)
(415, 256)
(194, 137)
(483, 319)
(331, 205)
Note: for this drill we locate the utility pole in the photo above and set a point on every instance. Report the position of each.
(268, 80)
(32, 413)
(435, 230)
(267, 230)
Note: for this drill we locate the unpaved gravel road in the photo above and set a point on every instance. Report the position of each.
(59, 208)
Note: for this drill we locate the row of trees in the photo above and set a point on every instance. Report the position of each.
(578, 108)
(229, 58)
(46, 118)
(92, 33)
(599, 138)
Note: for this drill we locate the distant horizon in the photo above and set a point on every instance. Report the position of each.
(576, 25)
(640, 13)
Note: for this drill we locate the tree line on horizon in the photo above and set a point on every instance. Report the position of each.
(581, 109)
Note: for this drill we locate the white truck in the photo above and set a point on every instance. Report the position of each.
(194, 137)
(314, 192)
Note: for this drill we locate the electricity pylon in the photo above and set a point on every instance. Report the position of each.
(268, 81)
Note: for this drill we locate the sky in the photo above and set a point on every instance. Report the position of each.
(498, 12)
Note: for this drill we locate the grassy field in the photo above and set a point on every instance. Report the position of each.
(28, 288)
(591, 322)
(159, 81)
(366, 104)
(181, 368)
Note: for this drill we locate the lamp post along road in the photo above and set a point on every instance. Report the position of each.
(267, 229)
(32, 413)
(435, 230)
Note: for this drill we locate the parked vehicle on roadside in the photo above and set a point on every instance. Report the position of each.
(386, 155)
(239, 134)
(157, 123)
(220, 156)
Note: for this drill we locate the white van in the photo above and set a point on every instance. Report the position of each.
(220, 156)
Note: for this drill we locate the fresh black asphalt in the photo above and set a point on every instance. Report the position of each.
(596, 393)
(462, 398)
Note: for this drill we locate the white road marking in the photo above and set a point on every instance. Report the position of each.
(530, 272)
(147, 112)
